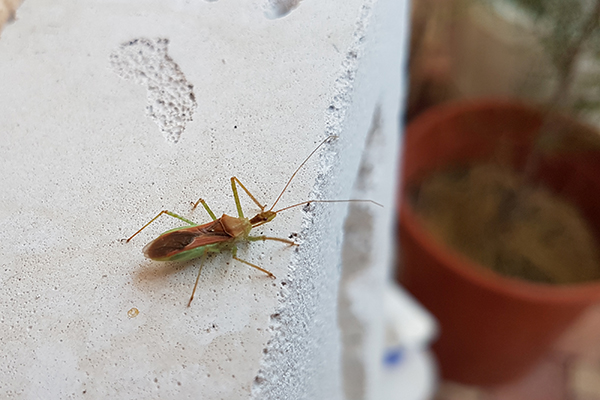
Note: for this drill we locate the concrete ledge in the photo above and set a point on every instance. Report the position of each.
(113, 112)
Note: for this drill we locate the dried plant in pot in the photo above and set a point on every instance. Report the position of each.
(499, 224)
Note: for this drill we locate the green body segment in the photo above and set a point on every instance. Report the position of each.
(197, 252)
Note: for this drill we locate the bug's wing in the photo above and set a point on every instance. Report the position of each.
(173, 243)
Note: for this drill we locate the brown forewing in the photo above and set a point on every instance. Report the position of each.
(172, 243)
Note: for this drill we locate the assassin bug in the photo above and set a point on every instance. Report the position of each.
(196, 241)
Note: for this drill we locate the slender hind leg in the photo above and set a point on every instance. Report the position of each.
(172, 214)
(197, 278)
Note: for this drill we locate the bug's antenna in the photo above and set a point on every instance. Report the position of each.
(327, 139)
(329, 201)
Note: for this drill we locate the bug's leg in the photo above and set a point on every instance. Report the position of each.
(263, 238)
(172, 214)
(235, 180)
(197, 278)
(234, 255)
(206, 207)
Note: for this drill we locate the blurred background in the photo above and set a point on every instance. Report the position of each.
(498, 222)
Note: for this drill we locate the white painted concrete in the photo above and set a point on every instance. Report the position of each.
(100, 131)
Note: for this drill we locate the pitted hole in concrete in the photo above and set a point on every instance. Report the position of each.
(280, 8)
(171, 99)
(276, 317)
(212, 327)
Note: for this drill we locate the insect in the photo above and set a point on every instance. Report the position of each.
(221, 234)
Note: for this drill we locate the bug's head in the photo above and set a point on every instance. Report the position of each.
(263, 217)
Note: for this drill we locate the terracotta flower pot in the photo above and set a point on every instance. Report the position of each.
(493, 328)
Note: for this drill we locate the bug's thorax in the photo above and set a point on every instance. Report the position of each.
(236, 227)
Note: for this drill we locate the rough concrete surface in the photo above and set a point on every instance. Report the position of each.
(111, 112)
